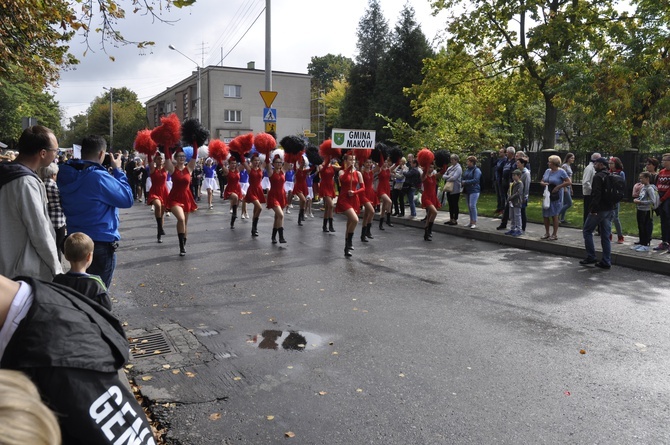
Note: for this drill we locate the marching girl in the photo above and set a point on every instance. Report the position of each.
(209, 181)
(180, 200)
(244, 185)
(327, 172)
(276, 196)
(255, 194)
(429, 200)
(288, 188)
(157, 196)
(369, 199)
(348, 199)
(383, 171)
(300, 186)
(233, 190)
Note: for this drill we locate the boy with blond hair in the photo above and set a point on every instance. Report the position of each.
(78, 249)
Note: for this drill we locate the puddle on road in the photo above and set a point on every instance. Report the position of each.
(287, 340)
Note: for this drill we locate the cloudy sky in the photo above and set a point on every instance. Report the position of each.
(301, 29)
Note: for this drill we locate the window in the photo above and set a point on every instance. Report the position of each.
(232, 116)
(232, 91)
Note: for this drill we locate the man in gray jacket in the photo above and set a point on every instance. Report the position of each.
(587, 183)
(27, 238)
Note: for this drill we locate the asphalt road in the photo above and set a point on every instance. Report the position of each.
(407, 342)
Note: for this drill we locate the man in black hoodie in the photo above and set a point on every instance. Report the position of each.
(71, 348)
(600, 216)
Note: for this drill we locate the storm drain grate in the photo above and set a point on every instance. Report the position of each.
(150, 345)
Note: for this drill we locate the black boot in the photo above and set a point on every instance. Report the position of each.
(430, 230)
(426, 236)
(368, 231)
(388, 220)
(254, 227)
(348, 244)
(363, 233)
(160, 232)
(381, 223)
(233, 217)
(281, 235)
(182, 244)
(325, 224)
(330, 225)
(274, 235)
(301, 216)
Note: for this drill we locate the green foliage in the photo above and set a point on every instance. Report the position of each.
(20, 98)
(400, 68)
(373, 39)
(326, 70)
(34, 33)
(129, 117)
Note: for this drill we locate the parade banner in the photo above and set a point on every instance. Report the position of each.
(352, 139)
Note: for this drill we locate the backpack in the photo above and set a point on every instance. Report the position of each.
(614, 189)
(655, 198)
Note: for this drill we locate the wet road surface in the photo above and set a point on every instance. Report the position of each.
(407, 342)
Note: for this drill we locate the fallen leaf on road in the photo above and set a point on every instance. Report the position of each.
(146, 378)
(215, 416)
(175, 371)
(270, 417)
(157, 351)
(359, 390)
(129, 366)
(125, 323)
(189, 374)
(335, 353)
(166, 366)
(237, 378)
(289, 434)
(142, 284)
(582, 351)
(322, 393)
(290, 367)
(144, 341)
(401, 375)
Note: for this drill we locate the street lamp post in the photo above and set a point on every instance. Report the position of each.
(198, 69)
(111, 117)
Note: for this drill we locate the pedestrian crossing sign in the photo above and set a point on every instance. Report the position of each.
(269, 115)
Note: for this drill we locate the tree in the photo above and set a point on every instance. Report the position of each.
(543, 38)
(333, 101)
(18, 99)
(129, 117)
(34, 33)
(373, 40)
(326, 70)
(400, 68)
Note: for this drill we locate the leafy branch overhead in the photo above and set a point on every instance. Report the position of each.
(34, 34)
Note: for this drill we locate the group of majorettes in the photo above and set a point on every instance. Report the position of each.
(356, 191)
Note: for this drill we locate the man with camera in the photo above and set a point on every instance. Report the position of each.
(91, 196)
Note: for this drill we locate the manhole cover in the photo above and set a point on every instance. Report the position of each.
(149, 345)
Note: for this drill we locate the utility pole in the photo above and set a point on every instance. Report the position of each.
(268, 47)
(111, 117)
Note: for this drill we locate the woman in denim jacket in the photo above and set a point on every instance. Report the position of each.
(470, 182)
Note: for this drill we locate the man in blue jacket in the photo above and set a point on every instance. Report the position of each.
(91, 196)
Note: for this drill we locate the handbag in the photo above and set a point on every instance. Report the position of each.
(546, 198)
(448, 186)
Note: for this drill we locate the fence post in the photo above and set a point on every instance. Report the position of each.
(631, 165)
(486, 166)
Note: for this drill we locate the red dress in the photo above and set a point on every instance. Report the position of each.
(370, 195)
(158, 188)
(348, 181)
(300, 182)
(384, 184)
(276, 195)
(327, 184)
(429, 194)
(180, 195)
(233, 184)
(255, 190)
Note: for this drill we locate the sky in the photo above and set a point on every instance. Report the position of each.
(301, 29)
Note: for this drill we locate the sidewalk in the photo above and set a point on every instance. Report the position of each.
(570, 241)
